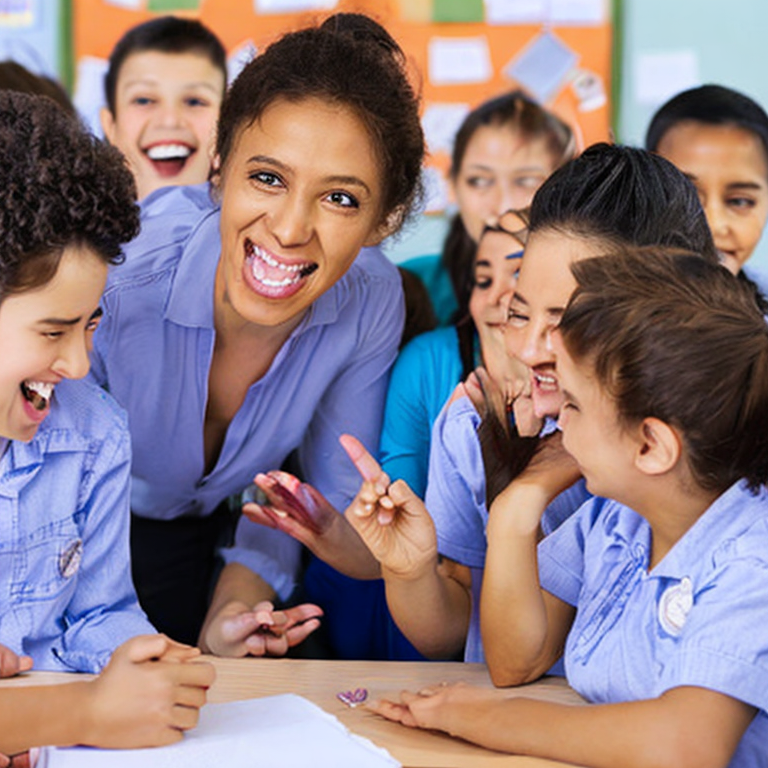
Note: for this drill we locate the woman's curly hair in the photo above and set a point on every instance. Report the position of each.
(59, 187)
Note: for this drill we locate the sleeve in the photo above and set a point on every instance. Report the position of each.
(270, 553)
(104, 611)
(354, 403)
(405, 435)
(456, 486)
(723, 645)
(561, 553)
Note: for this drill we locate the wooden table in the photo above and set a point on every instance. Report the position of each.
(320, 681)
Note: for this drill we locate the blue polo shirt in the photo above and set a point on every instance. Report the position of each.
(699, 618)
(456, 501)
(153, 352)
(66, 594)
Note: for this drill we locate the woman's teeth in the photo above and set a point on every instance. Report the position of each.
(294, 272)
(38, 393)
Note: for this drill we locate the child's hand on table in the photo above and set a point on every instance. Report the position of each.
(149, 693)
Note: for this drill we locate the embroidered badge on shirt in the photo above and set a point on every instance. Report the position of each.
(675, 605)
(69, 559)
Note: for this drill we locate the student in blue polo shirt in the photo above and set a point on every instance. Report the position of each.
(656, 590)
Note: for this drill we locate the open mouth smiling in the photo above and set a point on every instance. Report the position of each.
(269, 275)
(169, 159)
(37, 393)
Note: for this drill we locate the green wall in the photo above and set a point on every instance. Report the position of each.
(729, 41)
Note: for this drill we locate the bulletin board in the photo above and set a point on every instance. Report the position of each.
(461, 52)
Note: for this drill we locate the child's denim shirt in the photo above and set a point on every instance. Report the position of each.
(66, 593)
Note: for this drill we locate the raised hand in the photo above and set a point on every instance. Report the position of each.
(390, 518)
(280, 500)
(552, 468)
(261, 631)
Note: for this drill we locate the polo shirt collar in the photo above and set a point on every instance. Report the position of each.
(731, 513)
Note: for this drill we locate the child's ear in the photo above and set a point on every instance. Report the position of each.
(386, 228)
(214, 175)
(107, 120)
(659, 447)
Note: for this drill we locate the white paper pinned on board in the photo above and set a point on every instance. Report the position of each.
(242, 55)
(440, 123)
(133, 5)
(516, 11)
(436, 194)
(589, 89)
(88, 97)
(542, 66)
(562, 12)
(659, 76)
(578, 12)
(292, 6)
(459, 60)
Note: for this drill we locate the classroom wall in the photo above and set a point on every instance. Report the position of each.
(665, 46)
(461, 51)
(662, 46)
(35, 34)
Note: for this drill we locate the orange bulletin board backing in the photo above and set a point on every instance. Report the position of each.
(97, 25)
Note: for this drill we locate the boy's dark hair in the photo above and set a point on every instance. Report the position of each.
(15, 77)
(518, 112)
(673, 337)
(59, 187)
(712, 105)
(166, 34)
(350, 60)
(618, 196)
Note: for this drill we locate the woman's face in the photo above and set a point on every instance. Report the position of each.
(729, 169)
(544, 285)
(301, 194)
(497, 263)
(500, 171)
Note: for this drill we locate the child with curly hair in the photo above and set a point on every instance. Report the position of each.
(66, 596)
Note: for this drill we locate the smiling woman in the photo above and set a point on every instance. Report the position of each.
(251, 301)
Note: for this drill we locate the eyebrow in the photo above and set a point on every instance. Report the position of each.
(60, 321)
(70, 321)
(335, 179)
(733, 184)
(556, 311)
(151, 82)
(745, 185)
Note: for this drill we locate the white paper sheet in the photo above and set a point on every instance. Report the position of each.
(542, 66)
(658, 76)
(441, 122)
(292, 6)
(516, 11)
(578, 12)
(458, 60)
(89, 91)
(287, 731)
